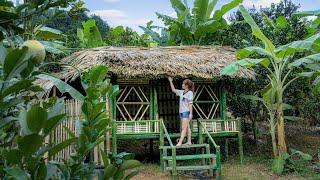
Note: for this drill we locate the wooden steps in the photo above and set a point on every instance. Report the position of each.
(190, 157)
(204, 160)
(186, 146)
(192, 168)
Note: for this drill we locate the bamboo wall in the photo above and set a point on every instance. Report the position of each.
(60, 134)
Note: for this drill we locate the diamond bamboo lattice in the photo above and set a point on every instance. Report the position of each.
(211, 100)
(142, 102)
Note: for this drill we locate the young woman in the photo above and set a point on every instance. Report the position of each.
(185, 108)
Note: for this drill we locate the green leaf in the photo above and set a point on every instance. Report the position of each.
(17, 87)
(268, 21)
(109, 171)
(129, 164)
(256, 30)
(12, 62)
(281, 22)
(29, 144)
(105, 158)
(212, 4)
(92, 34)
(304, 156)
(246, 52)
(292, 118)
(13, 156)
(312, 59)
(252, 98)
(23, 122)
(41, 171)
(96, 74)
(226, 8)
(59, 147)
(311, 43)
(3, 52)
(6, 121)
(210, 26)
(249, 62)
(178, 6)
(80, 35)
(154, 35)
(230, 69)
(17, 173)
(131, 175)
(52, 123)
(278, 165)
(62, 86)
(308, 74)
(200, 10)
(54, 47)
(47, 33)
(71, 133)
(125, 156)
(36, 118)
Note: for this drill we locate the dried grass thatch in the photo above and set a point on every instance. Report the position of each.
(135, 62)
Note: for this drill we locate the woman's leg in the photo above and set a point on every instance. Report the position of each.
(189, 134)
(184, 128)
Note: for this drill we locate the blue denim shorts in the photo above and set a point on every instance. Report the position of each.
(184, 114)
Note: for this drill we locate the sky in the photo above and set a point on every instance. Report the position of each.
(133, 13)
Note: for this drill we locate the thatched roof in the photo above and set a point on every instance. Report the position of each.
(135, 62)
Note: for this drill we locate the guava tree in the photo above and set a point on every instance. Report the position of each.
(276, 60)
(192, 25)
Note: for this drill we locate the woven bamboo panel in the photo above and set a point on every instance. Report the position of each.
(125, 127)
(133, 103)
(73, 114)
(214, 125)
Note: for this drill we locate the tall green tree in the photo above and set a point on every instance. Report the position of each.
(125, 36)
(192, 25)
(274, 60)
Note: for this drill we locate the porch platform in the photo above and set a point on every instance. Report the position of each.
(141, 136)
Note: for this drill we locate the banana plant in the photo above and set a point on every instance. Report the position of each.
(311, 62)
(268, 101)
(276, 61)
(161, 38)
(192, 25)
(90, 35)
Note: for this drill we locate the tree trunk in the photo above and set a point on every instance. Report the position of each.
(273, 138)
(282, 147)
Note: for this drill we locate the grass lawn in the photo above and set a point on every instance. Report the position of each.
(258, 160)
(254, 168)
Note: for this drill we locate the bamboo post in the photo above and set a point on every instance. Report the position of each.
(200, 136)
(218, 162)
(155, 103)
(240, 144)
(161, 143)
(174, 164)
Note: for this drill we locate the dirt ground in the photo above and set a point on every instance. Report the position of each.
(257, 165)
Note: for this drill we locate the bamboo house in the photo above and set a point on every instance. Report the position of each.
(147, 109)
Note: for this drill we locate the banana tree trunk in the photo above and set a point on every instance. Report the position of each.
(273, 138)
(282, 147)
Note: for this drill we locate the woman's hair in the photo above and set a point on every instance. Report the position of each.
(189, 83)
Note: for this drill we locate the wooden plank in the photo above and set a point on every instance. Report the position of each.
(186, 146)
(189, 157)
(193, 168)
